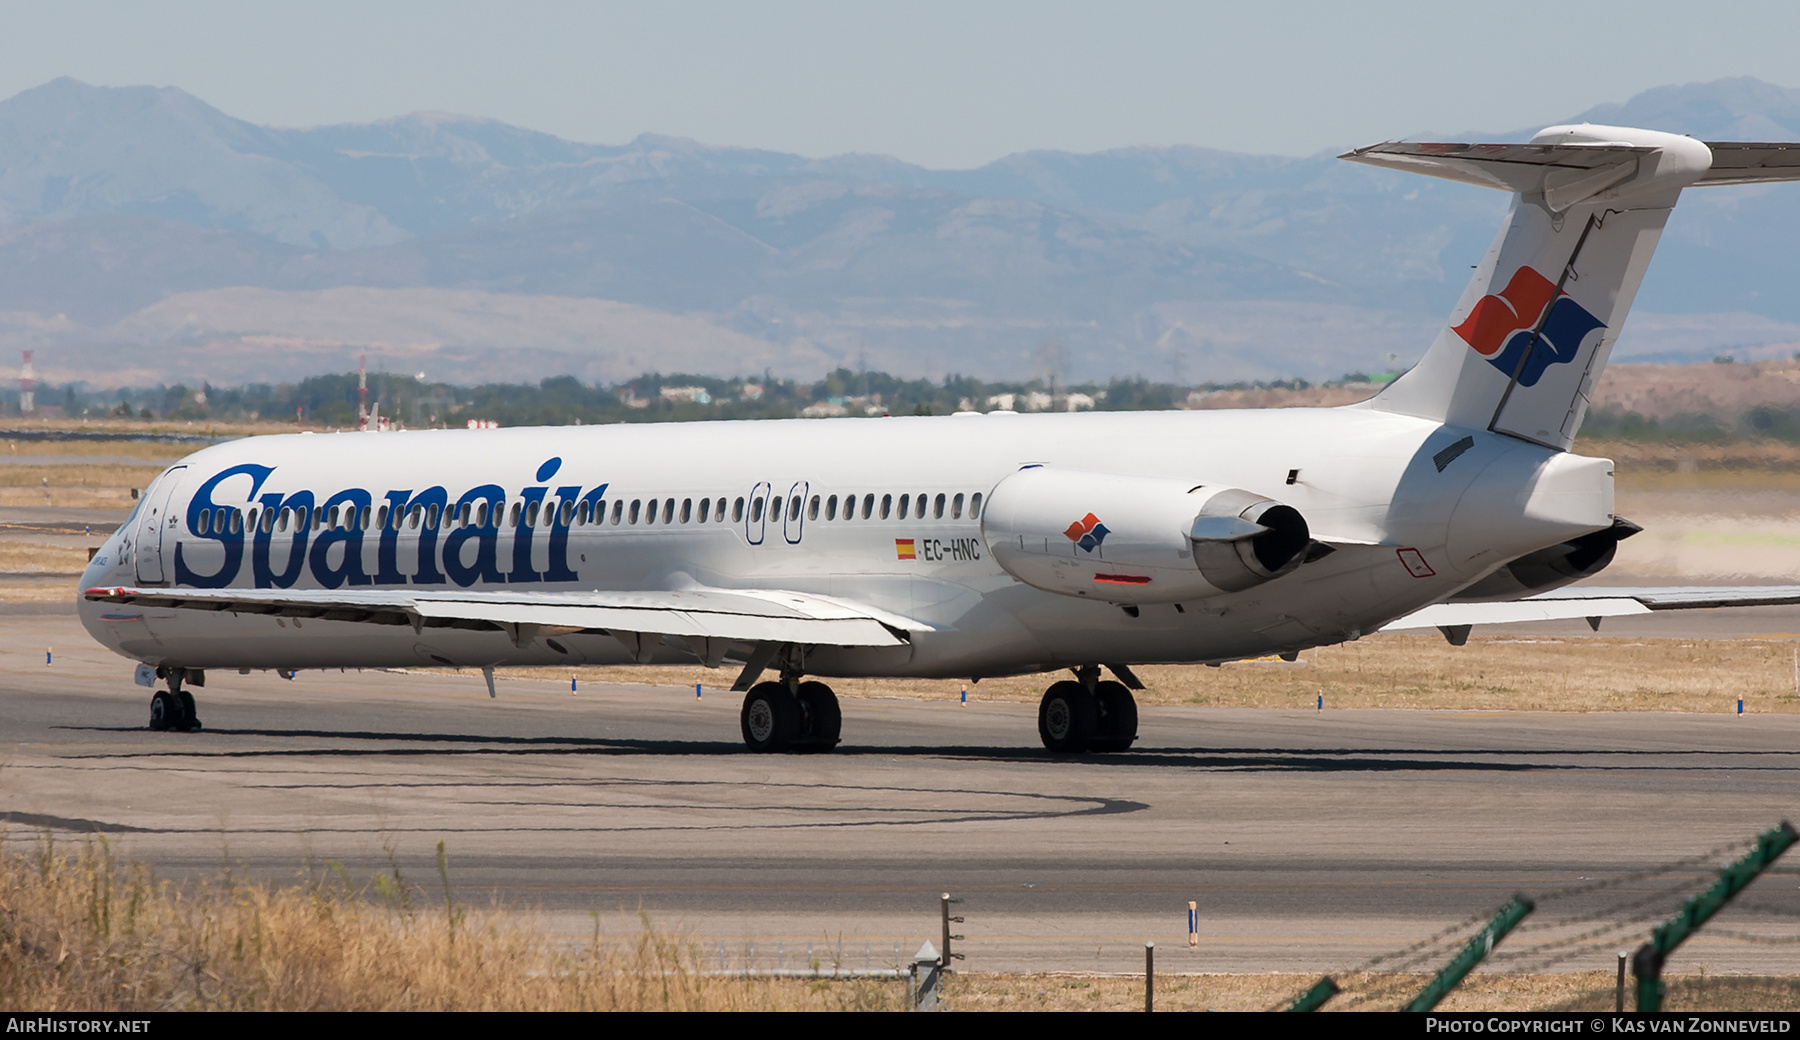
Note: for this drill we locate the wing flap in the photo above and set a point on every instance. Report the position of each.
(752, 616)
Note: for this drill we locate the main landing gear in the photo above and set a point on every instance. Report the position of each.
(791, 716)
(173, 708)
(1088, 714)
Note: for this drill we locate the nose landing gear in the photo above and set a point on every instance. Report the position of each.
(173, 708)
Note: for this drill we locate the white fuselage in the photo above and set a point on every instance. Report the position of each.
(1405, 527)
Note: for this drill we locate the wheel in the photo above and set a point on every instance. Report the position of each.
(165, 710)
(1067, 718)
(1118, 717)
(771, 717)
(820, 719)
(190, 719)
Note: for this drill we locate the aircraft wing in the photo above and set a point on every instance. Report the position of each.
(1591, 603)
(716, 615)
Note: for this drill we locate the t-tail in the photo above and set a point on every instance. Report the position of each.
(1533, 330)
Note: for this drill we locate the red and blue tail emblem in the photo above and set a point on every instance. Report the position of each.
(1087, 532)
(1500, 327)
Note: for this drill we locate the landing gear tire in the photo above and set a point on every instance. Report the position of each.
(190, 719)
(1068, 718)
(165, 711)
(1118, 717)
(770, 719)
(820, 719)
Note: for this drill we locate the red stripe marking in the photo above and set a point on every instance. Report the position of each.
(1122, 579)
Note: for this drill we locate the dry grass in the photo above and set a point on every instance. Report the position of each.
(83, 931)
(1496, 673)
(21, 557)
(159, 452)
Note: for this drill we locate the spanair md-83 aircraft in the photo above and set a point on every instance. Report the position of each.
(958, 546)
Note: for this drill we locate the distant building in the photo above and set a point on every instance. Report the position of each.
(686, 394)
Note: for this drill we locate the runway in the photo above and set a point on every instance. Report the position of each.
(1310, 840)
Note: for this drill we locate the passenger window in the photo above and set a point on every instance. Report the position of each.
(531, 514)
(268, 521)
(687, 510)
(812, 510)
(887, 505)
(737, 510)
(650, 509)
(956, 507)
(719, 511)
(705, 509)
(756, 508)
(831, 508)
(619, 507)
(794, 508)
(868, 506)
(364, 516)
(568, 513)
(635, 505)
(281, 521)
(431, 518)
(669, 511)
(975, 507)
(937, 507)
(203, 522)
(414, 515)
(904, 499)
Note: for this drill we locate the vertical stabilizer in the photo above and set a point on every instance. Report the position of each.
(1533, 329)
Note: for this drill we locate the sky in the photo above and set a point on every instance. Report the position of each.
(945, 85)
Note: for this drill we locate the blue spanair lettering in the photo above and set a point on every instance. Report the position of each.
(387, 548)
(349, 569)
(232, 541)
(558, 568)
(522, 572)
(428, 573)
(485, 536)
(265, 576)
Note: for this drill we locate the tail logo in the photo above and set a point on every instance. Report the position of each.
(1500, 327)
(1087, 532)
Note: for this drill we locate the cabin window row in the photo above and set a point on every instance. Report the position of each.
(223, 519)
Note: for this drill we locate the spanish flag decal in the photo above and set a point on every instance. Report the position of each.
(903, 549)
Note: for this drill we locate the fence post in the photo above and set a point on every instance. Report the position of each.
(1150, 976)
(1647, 963)
(1472, 954)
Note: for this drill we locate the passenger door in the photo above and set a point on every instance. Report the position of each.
(756, 517)
(154, 525)
(793, 512)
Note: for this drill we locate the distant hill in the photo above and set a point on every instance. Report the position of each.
(1157, 260)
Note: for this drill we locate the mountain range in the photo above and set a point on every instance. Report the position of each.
(147, 236)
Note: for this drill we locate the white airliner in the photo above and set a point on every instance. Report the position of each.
(958, 546)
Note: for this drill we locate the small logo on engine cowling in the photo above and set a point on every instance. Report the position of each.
(1087, 532)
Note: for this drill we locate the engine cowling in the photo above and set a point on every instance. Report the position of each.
(1138, 539)
(1562, 564)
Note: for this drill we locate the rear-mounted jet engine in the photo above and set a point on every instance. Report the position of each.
(1138, 539)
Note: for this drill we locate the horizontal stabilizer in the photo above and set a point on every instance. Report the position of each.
(1566, 173)
(749, 616)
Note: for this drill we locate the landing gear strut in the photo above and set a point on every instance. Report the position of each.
(1087, 715)
(173, 708)
(791, 716)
